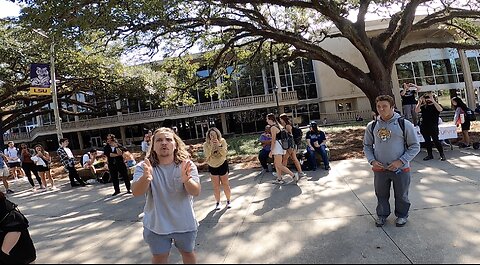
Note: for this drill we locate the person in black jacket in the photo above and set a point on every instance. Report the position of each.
(114, 152)
(17, 245)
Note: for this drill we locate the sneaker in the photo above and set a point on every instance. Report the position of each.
(401, 221)
(115, 193)
(328, 168)
(274, 174)
(443, 158)
(279, 181)
(54, 188)
(296, 177)
(427, 158)
(9, 191)
(380, 221)
(34, 189)
(229, 206)
(217, 206)
(302, 174)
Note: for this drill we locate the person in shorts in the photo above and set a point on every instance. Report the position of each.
(169, 180)
(4, 172)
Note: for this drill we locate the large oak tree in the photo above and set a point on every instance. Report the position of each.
(286, 28)
(83, 65)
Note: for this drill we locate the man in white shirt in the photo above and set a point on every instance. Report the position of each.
(13, 160)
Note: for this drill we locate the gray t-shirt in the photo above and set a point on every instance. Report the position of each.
(168, 208)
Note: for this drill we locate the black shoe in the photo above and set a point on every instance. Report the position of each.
(427, 158)
(129, 191)
(443, 158)
(380, 221)
(328, 168)
(115, 193)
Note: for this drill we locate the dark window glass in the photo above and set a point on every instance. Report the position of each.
(423, 68)
(473, 64)
(404, 70)
(257, 86)
(301, 93)
(458, 63)
(298, 79)
(309, 78)
(312, 91)
(307, 65)
(244, 87)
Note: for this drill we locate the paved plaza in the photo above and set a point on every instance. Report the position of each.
(327, 218)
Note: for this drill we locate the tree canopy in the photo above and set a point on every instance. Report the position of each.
(283, 29)
(84, 65)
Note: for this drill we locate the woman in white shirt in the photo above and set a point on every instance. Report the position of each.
(43, 160)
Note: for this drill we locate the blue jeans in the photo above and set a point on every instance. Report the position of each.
(263, 158)
(311, 156)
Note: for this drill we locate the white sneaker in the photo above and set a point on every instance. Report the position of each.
(274, 174)
(229, 205)
(296, 177)
(218, 207)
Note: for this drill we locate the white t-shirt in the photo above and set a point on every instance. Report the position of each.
(85, 159)
(12, 154)
(168, 208)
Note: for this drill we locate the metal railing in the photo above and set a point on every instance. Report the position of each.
(221, 106)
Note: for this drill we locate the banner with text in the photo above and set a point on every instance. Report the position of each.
(40, 79)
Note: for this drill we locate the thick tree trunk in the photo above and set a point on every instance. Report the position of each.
(380, 87)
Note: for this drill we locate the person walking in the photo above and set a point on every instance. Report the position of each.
(460, 110)
(291, 152)
(114, 152)
(215, 150)
(5, 173)
(389, 147)
(430, 110)
(68, 161)
(277, 152)
(29, 166)
(266, 142)
(170, 180)
(13, 160)
(316, 143)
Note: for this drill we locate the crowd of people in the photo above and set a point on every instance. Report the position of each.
(170, 180)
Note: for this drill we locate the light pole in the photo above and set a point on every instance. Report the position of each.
(53, 84)
(275, 91)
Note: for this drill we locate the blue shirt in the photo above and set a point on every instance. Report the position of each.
(263, 138)
(318, 137)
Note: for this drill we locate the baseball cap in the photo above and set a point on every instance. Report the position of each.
(313, 123)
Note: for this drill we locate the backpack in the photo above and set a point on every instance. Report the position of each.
(13, 220)
(297, 135)
(470, 115)
(286, 139)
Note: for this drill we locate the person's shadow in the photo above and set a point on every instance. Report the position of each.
(212, 218)
(280, 197)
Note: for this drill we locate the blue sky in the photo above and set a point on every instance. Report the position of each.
(8, 8)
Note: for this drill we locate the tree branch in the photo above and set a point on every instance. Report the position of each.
(423, 46)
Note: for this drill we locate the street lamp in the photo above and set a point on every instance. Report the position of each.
(275, 91)
(53, 83)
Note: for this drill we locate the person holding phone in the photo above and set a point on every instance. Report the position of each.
(409, 101)
(114, 152)
(170, 180)
(430, 110)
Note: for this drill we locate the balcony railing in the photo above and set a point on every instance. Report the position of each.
(222, 106)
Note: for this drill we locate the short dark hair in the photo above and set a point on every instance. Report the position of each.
(93, 150)
(63, 140)
(386, 98)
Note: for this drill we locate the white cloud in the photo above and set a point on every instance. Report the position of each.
(8, 9)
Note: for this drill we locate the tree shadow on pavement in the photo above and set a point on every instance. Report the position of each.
(280, 196)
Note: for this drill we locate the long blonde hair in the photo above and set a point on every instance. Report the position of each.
(219, 134)
(180, 153)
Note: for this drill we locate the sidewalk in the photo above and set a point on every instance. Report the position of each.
(327, 218)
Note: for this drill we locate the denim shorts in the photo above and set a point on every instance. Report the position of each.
(161, 244)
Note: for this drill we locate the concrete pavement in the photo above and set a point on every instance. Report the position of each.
(327, 218)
